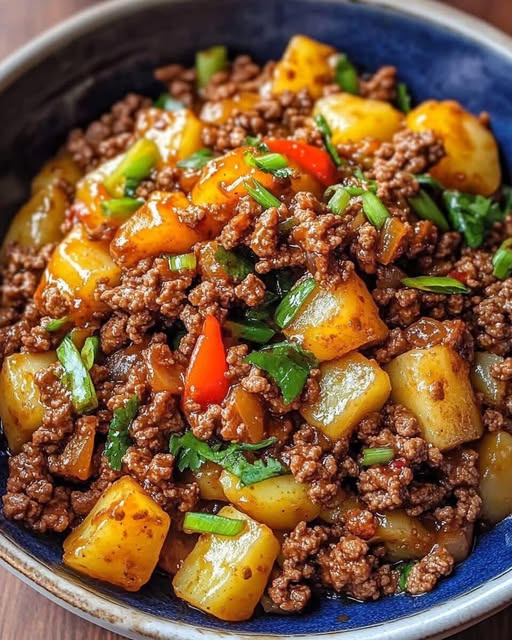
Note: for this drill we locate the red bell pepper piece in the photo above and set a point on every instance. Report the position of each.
(205, 382)
(312, 159)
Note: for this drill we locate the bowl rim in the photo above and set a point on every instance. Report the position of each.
(435, 623)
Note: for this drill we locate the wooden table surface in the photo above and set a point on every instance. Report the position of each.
(23, 612)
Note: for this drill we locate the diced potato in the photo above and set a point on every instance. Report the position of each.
(434, 385)
(177, 134)
(482, 380)
(76, 266)
(340, 506)
(404, 537)
(306, 64)
(471, 163)
(222, 180)
(495, 465)
(226, 576)
(39, 220)
(353, 118)
(249, 411)
(120, 540)
(351, 387)
(176, 548)
(163, 373)
(155, 228)
(61, 167)
(21, 410)
(458, 541)
(75, 462)
(208, 480)
(333, 322)
(219, 112)
(280, 502)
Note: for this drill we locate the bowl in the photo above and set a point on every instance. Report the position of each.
(73, 73)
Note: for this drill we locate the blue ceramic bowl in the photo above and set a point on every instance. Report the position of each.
(73, 73)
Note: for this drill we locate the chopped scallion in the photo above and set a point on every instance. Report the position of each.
(405, 570)
(285, 226)
(346, 75)
(168, 103)
(252, 141)
(377, 455)
(183, 262)
(262, 196)
(339, 201)
(210, 523)
(502, 260)
(133, 168)
(120, 207)
(292, 302)
(403, 98)
(76, 377)
(274, 163)
(424, 178)
(90, 351)
(436, 284)
(427, 209)
(325, 130)
(209, 62)
(197, 160)
(254, 331)
(56, 324)
(374, 209)
(235, 264)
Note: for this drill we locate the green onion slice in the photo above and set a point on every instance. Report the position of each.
(339, 201)
(209, 62)
(436, 284)
(274, 163)
(427, 209)
(252, 141)
(197, 160)
(90, 351)
(377, 455)
(292, 302)
(325, 130)
(56, 324)
(236, 265)
(262, 196)
(183, 262)
(133, 168)
(285, 226)
(120, 207)
(76, 377)
(346, 75)
(405, 570)
(403, 98)
(374, 209)
(424, 178)
(209, 523)
(502, 260)
(254, 331)
(168, 103)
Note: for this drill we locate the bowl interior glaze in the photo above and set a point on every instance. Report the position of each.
(80, 79)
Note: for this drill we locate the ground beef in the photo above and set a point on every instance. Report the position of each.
(493, 318)
(425, 574)
(380, 86)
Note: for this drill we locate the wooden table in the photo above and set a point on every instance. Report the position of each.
(23, 612)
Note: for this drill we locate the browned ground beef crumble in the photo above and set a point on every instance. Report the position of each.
(150, 298)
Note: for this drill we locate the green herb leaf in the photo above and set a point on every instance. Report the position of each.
(346, 75)
(56, 324)
(209, 62)
(424, 178)
(118, 438)
(405, 570)
(274, 163)
(471, 215)
(76, 377)
(120, 207)
(254, 331)
(339, 201)
(262, 196)
(436, 284)
(183, 262)
(292, 302)
(235, 265)
(191, 453)
(197, 160)
(90, 351)
(168, 103)
(377, 455)
(210, 523)
(502, 260)
(288, 364)
(133, 168)
(427, 209)
(285, 226)
(374, 209)
(325, 130)
(403, 98)
(252, 141)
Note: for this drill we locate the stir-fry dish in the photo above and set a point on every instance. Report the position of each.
(257, 335)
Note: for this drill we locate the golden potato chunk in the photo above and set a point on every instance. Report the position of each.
(280, 502)
(207, 478)
(226, 576)
(351, 387)
(306, 64)
(457, 541)
(495, 465)
(61, 167)
(353, 118)
(21, 410)
(156, 228)
(76, 266)
(177, 134)
(120, 540)
(483, 381)
(220, 111)
(75, 462)
(434, 385)
(471, 163)
(333, 322)
(404, 537)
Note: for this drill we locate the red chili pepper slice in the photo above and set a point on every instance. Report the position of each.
(205, 382)
(312, 159)
(461, 276)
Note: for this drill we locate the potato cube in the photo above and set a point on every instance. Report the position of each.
(220, 111)
(120, 540)
(76, 266)
(353, 118)
(404, 537)
(207, 478)
(75, 462)
(21, 410)
(333, 322)
(280, 502)
(61, 167)
(351, 387)
(226, 576)
(472, 162)
(434, 385)
(495, 465)
(305, 64)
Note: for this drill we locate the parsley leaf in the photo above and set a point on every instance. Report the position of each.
(472, 215)
(118, 438)
(236, 265)
(288, 364)
(191, 453)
